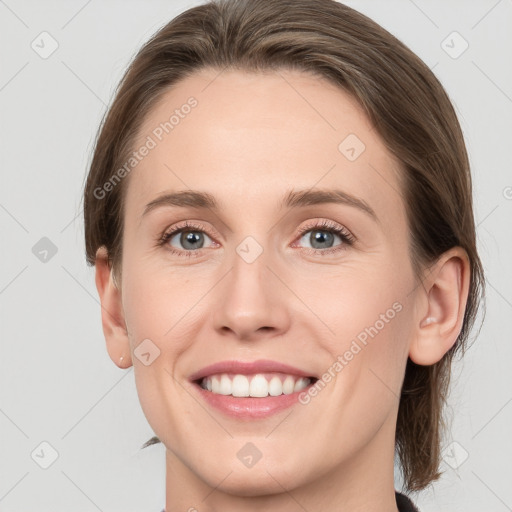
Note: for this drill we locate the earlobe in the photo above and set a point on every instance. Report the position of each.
(445, 294)
(112, 315)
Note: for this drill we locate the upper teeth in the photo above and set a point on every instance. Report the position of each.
(258, 386)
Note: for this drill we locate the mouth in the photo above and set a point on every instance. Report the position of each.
(249, 390)
(259, 385)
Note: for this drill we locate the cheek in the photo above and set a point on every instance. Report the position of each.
(159, 309)
(368, 316)
(166, 307)
(152, 299)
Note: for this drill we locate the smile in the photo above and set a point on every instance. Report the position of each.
(249, 390)
(257, 385)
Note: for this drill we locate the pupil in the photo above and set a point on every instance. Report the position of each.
(320, 236)
(190, 237)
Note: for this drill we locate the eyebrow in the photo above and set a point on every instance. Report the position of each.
(300, 198)
(293, 199)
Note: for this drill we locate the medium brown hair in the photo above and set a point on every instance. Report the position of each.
(403, 99)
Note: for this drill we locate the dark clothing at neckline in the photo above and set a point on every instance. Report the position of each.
(404, 503)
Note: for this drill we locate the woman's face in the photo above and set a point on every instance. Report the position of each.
(303, 261)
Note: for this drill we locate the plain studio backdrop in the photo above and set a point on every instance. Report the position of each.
(70, 421)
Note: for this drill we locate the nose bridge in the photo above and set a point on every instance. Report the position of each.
(251, 297)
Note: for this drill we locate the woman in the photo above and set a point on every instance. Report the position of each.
(281, 373)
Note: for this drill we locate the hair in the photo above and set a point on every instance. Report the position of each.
(402, 98)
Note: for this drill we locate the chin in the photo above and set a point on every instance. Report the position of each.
(253, 482)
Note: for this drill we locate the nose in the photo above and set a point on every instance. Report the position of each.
(252, 302)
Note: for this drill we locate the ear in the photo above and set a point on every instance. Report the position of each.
(112, 315)
(443, 301)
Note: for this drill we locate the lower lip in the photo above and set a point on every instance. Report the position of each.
(250, 407)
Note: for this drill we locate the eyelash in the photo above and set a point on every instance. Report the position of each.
(347, 238)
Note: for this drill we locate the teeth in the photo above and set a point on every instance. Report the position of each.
(224, 387)
(275, 388)
(257, 386)
(288, 385)
(239, 386)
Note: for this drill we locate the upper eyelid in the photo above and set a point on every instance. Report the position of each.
(187, 226)
(326, 225)
(319, 223)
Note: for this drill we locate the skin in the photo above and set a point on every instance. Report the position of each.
(250, 139)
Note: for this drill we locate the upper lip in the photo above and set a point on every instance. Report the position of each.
(248, 368)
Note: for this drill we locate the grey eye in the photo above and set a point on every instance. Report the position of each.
(320, 238)
(190, 240)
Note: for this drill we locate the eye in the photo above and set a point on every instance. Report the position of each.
(190, 236)
(321, 237)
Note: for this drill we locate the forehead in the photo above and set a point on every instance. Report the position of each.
(248, 136)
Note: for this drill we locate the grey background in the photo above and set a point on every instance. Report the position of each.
(57, 383)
